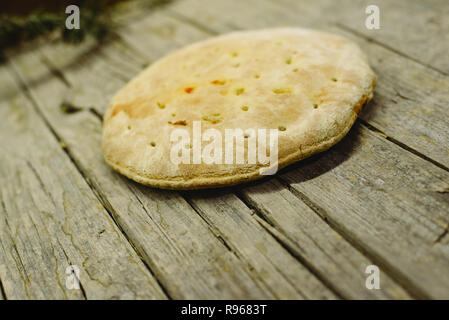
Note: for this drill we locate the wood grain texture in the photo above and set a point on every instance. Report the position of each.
(366, 201)
(50, 219)
(410, 100)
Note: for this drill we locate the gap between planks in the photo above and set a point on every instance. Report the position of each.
(2, 292)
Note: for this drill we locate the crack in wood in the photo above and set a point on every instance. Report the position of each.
(55, 71)
(41, 183)
(287, 244)
(2, 291)
(442, 235)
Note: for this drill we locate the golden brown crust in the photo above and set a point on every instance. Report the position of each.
(312, 83)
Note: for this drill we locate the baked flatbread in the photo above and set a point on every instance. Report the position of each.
(309, 85)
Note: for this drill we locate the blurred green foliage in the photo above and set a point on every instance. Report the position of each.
(95, 21)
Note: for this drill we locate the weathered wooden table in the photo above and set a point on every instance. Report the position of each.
(380, 197)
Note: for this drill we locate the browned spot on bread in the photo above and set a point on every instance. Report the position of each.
(178, 123)
(358, 107)
(189, 89)
(219, 82)
(213, 118)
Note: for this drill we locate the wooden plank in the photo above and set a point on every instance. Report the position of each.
(212, 207)
(410, 101)
(50, 219)
(413, 223)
